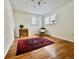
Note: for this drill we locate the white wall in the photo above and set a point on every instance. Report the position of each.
(21, 19)
(64, 28)
(8, 26)
(24, 19)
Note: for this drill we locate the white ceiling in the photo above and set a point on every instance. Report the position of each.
(26, 6)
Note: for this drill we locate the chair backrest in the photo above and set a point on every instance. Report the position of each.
(42, 30)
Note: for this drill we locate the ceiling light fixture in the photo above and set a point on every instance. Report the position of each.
(38, 3)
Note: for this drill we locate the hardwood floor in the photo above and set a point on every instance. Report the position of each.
(61, 49)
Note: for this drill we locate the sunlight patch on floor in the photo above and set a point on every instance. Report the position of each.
(51, 50)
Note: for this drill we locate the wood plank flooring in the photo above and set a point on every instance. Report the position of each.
(61, 49)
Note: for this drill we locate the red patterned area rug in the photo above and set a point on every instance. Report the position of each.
(31, 44)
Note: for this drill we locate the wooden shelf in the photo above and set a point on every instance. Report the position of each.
(23, 32)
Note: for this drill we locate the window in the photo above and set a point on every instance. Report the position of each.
(51, 19)
(47, 20)
(36, 20)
